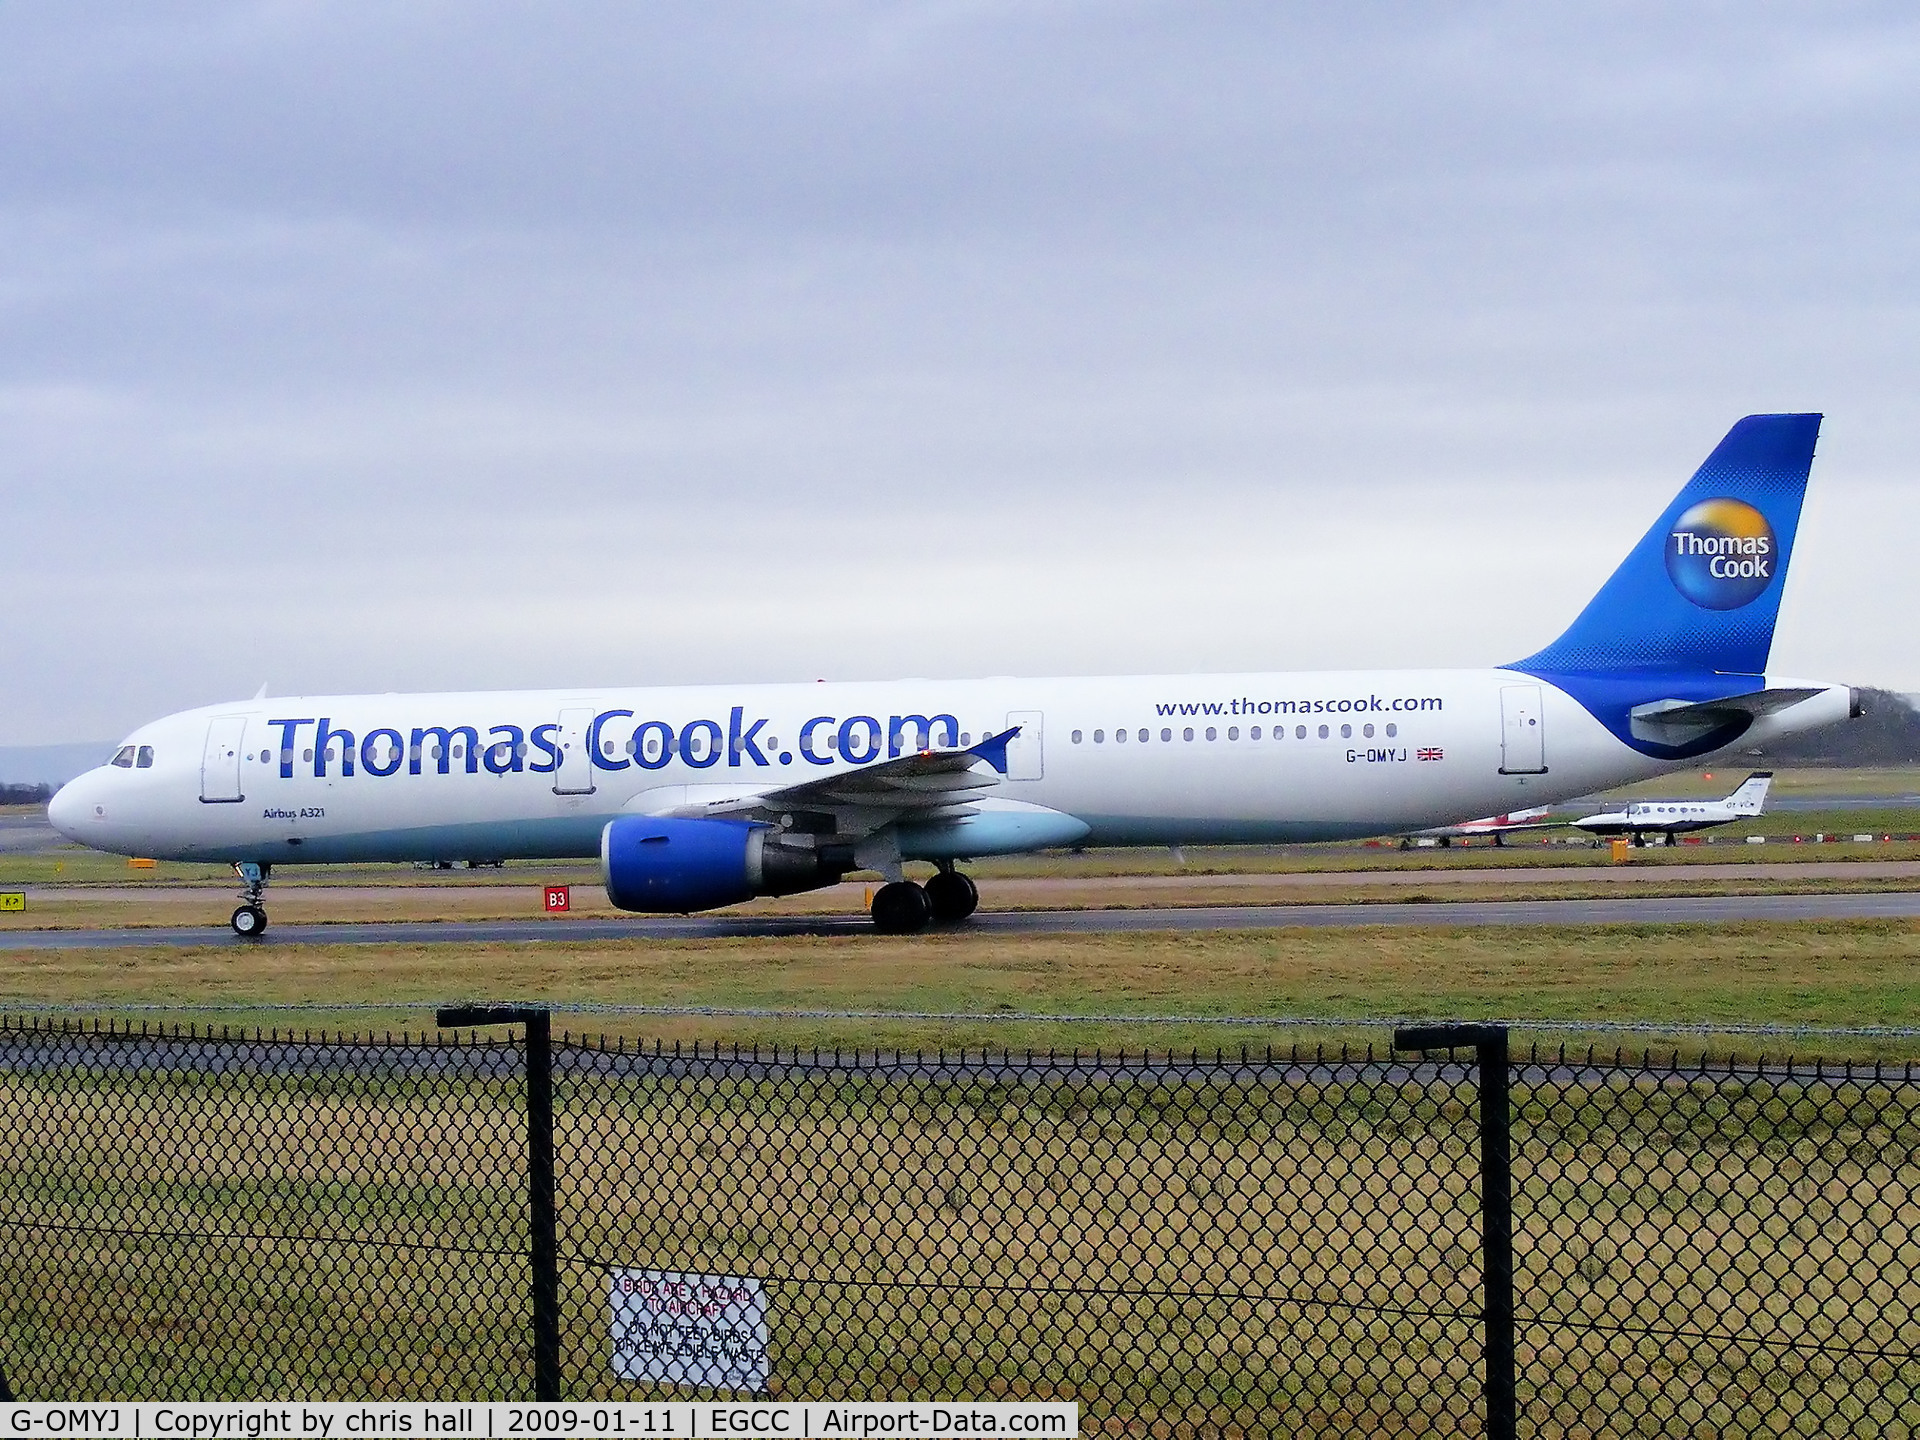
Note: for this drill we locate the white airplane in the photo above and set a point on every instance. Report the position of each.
(1494, 826)
(702, 796)
(1642, 818)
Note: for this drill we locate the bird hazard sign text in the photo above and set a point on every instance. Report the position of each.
(704, 1330)
(559, 899)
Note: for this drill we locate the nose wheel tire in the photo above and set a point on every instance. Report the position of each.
(953, 896)
(901, 908)
(249, 922)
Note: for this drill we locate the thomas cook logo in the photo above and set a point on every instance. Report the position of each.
(1721, 554)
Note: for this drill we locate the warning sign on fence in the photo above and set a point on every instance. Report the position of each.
(705, 1330)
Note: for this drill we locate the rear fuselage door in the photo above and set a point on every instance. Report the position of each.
(1523, 738)
(575, 773)
(1024, 761)
(220, 762)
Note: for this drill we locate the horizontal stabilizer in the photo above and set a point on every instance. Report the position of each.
(1679, 722)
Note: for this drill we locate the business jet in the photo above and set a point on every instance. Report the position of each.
(696, 797)
(1671, 818)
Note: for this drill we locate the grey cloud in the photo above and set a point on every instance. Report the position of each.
(434, 345)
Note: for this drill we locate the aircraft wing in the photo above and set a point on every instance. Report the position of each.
(928, 785)
(1677, 722)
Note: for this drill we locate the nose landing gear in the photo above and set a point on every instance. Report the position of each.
(249, 921)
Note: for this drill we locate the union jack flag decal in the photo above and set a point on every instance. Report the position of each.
(1429, 754)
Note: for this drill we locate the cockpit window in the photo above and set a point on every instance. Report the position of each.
(145, 759)
(124, 759)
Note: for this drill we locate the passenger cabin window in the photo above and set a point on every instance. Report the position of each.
(1166, 735)
(1187, 734)
(1392, 730)
(1233, 732)
(1143, 737)
(1120, 737)
(1323, 732)
(1076, 737)
(1212, 734)
(1300, 732)
(1099, 736)
(124, 757)
(1254, 733)
(1346, 732)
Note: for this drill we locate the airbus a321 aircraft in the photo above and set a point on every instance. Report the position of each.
(698, 797)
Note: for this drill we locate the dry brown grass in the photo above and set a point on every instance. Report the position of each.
(1818, 973)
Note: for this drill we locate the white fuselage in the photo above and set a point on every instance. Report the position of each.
(1205, 758)
(1664, 817)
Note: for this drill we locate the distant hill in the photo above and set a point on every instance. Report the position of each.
(1888, 734)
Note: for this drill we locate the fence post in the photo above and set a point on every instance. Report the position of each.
(542, 1234)
(545, 1246)
(1489, 1043)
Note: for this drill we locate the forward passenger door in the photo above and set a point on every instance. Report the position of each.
(220, 761)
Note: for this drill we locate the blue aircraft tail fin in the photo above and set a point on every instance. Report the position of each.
(1701, 590)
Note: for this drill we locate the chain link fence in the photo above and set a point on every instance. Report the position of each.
(1246, 1244)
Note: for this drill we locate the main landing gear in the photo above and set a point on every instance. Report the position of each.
(902, 907)
(249, 921)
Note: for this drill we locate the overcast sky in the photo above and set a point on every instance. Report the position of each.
(425, 346)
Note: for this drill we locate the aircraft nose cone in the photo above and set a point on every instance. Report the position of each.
(67, 808)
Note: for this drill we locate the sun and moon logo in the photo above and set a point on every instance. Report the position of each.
(1721, 554)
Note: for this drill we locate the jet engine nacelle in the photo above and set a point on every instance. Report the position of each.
(669, 866)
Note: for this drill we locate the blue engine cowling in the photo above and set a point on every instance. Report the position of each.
(669, 866)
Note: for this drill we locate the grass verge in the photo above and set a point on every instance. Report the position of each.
(1824, 973)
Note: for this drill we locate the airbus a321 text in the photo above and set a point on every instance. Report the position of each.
(698, 797)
